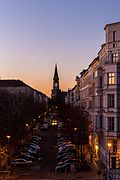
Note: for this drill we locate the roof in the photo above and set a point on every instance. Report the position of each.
(94, 61)
(83, 72)
(12, 83)
(111, 24)
(16, 83)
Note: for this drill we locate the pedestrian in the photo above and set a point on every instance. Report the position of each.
(91, 157)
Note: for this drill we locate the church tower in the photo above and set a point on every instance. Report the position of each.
(55, 91)
(57, 96)
(56, 79)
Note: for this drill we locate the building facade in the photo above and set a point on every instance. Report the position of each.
(18, 87)
(99, 92)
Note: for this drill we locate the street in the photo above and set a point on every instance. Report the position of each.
(45, 167)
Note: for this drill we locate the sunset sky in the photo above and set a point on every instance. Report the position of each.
(36, 34)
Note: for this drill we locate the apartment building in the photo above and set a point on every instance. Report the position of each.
(18, 87)
(100, 94)
(71, 96)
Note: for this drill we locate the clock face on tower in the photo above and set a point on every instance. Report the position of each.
(56, 84)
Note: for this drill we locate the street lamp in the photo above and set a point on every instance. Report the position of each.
(109, 146)
(78, 141)
(8, 137)
(75, 129)
(8, 149)
(26, 125)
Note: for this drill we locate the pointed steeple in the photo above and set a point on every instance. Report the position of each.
(55, 79)
(56, 72)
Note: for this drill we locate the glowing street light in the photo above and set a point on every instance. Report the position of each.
(8, 137)
(26, 125)
(109, 146)
(75, 129)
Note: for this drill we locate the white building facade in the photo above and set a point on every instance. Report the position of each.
(100, 95)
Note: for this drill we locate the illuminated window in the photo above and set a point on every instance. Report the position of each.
(111, 78)
(115, 57)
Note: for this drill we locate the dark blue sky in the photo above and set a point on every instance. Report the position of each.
(35, 34)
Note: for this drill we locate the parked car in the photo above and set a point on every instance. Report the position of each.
(67, 167)
(69, 160)
(18, 162)
(64, 155)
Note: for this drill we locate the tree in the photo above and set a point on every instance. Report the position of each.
(76, 125)
(15, 111)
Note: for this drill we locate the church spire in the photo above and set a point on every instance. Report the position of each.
(55, 79)
(56, 72)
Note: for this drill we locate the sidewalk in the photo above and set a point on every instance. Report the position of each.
(90, 174)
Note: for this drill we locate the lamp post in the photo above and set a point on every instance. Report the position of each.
(109, 146)
(8, 151)
(76, 139)
(8, 137)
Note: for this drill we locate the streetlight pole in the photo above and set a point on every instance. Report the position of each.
(109, 146)
(8, 151)
(109, 162)
(8, 137)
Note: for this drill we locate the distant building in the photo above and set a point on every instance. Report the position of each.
(73, 95)
(19, 87)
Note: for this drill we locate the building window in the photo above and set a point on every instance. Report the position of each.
(96, 73)
(110, 100)
(101, 101)
(101, 121)
(118, 101)
(115, 57)
(114, 45)
(118, 125)
(111, 78)
(90, 104)
(101, 81)
(114, 36)
(110, 123)
(118, 76)
(114, 146)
